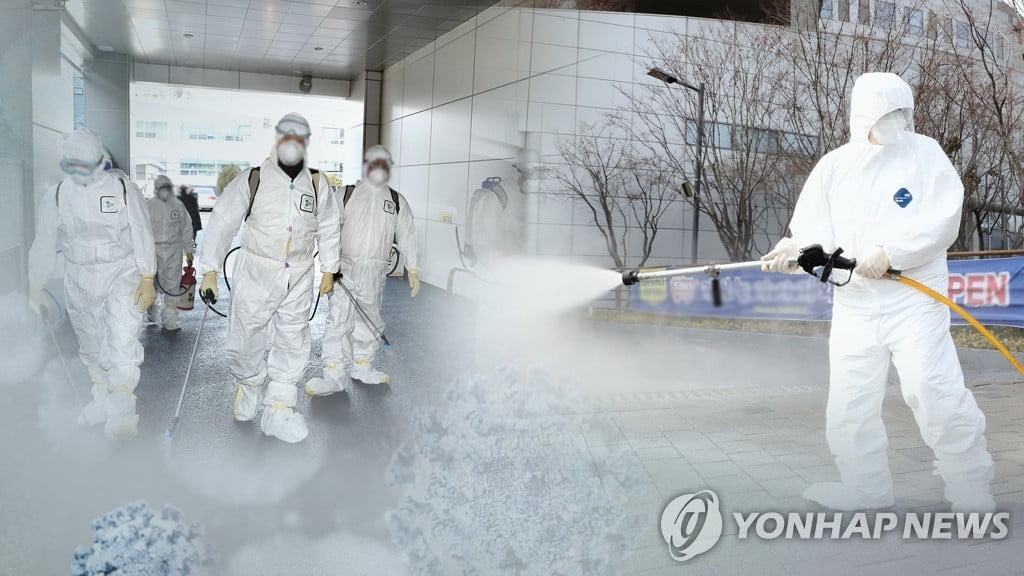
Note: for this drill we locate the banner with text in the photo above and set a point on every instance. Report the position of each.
(991, 290)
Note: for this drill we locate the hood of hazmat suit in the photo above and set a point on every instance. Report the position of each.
(905, 196)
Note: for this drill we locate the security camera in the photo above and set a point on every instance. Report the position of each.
(306, 84)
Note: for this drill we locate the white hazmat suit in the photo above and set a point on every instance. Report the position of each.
(892, 203)
(272, 283)
(172, 232)
(371, 222)
(100, 224)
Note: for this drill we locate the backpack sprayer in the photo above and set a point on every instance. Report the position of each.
(817, 262)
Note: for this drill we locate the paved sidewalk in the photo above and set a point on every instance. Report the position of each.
(759, 447)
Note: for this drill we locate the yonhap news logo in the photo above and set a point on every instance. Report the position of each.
(691, 524)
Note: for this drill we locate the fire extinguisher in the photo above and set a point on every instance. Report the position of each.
(188, 283)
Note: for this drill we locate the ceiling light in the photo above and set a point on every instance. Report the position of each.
(318, 48)
(189, 35)
(103, 48)
(359, 3)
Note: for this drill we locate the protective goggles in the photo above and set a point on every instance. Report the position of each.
(292, 129)
(79, 167)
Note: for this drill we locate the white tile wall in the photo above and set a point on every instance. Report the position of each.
(453, 69)
(415, 144)
(418, 89)
(450, 132)
(463, 108)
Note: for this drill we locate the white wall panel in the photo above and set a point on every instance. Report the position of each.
(609, 37)
(453, 69)
(559, 27)
(418, 90)
(449, 132)
(449, 187)
(416, 139)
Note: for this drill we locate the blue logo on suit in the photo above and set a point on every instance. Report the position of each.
(902, 197)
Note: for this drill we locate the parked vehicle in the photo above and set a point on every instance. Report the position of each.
(207, 197)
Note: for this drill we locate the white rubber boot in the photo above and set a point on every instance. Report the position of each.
(171, 318)
(283, 423)
(334, 381)
(968, 498)
(122, 420)
(95, 412)
(839, 496)
(247, 402)
(364, 372)
(153, 315)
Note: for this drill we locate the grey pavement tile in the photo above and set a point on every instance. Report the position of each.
(657, 453)
(753, 458)
(822, 473)
(704, 456)
(737, 446)
(769, 471)
(728, 486)
(710, 470)
(784, 487)
(652, 442)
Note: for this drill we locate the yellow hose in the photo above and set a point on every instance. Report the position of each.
(963, 313)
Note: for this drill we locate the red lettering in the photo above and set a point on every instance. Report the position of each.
(956, 287)
(975, 290)
(999, 289)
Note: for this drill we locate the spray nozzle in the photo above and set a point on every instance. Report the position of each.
(630, 277)
(818, 263)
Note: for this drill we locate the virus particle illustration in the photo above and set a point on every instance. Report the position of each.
(135, 540)
(498, 478)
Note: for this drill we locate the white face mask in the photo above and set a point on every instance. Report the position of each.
(290, 152)
(378, 176)
(890, 128)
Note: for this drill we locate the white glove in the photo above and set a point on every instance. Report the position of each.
(874, 265)
(38, 299)
(782, 257)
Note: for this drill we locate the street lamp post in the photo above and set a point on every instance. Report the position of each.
(697, 165)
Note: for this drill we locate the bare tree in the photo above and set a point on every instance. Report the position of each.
(743, 158)
(623, 191)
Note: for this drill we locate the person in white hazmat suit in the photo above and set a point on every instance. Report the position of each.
(172, 232)
(892, 199)
(373, 216)
(288, 211)
(100, 224)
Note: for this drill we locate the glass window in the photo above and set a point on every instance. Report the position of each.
(826, 9)
(193, 167)
(1000, 50)
(150, 130)
(722, 135)
(864, 11)
(334, 136)
(885, 14)
(915, 21)
(78, 84)
(332, 167)
(963, 34)
(933, 25)
(842, 10)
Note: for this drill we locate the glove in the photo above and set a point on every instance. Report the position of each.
(327, 283)
(145, 294)
(874, 265)
(778, 260)
(209, 284)
(38, 300)
(189, 257)
(414, 282)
